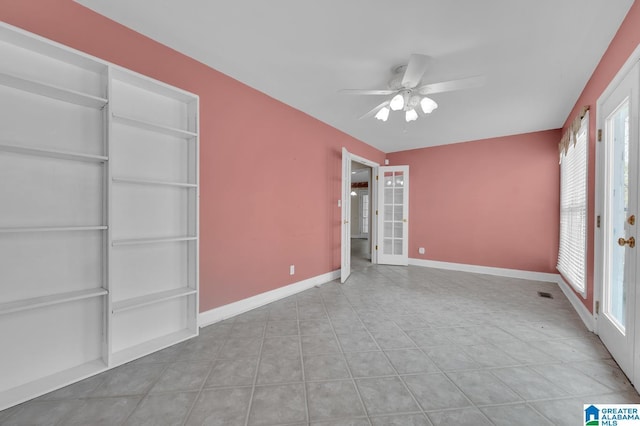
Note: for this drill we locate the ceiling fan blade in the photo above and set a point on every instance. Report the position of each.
(448, 86)
(375, 110)
(367, 92)
(415, 70)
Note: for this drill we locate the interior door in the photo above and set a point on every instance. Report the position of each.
(393, 215)
(619, 121)
(345, 231)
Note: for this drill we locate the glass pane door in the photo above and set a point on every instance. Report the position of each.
(615, 302)
(619, 256)
(394, 211)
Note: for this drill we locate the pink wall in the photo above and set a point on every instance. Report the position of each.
(492, 202)
(269, 184)
(621, 47)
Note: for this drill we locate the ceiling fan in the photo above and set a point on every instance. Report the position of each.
(408, 94)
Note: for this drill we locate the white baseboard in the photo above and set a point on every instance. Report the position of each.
(241, 306)
(488, 270)
(577, 304)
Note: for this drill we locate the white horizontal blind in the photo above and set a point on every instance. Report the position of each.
(573, 210)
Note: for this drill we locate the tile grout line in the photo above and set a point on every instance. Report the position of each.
(255, 375)
(353, 380)
(384, 354)
(420, 349)
(304, 380)
(204, 382)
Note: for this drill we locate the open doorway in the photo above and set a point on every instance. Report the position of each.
(361, 215)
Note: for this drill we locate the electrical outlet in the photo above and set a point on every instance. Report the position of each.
(292, 269)
(421, 250)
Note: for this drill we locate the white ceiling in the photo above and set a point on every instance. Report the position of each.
(537, 56)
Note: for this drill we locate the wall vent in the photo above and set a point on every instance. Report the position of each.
(545, 294)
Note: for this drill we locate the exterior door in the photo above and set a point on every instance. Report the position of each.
(393, 215)
(345, 230)
(619, 123)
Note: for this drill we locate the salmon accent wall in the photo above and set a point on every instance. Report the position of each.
(493, 202)
(270, 175)
(621, 47)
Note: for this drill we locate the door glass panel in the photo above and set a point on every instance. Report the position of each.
(397, 230)
(388, 229)
(397, 213)
(397, 195)
(397, 246)
(388, 196)
(388, 247)
(615, 292)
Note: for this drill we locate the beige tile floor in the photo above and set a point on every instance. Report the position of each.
(392, 346)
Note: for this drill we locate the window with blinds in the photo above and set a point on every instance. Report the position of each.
(572, 256)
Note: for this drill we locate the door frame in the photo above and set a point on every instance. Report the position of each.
(598, 240)
(346, 199)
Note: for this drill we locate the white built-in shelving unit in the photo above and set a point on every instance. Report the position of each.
(98, 215)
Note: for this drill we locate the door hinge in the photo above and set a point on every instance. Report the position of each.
(599, 135)
(376, 247)
(376, 212)
(597, 307)
(376, 177)
(598, 221)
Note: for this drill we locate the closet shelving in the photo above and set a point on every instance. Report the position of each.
(55, 92)
(99, 218)
(164, 180)
(53, 153)
(42, 301)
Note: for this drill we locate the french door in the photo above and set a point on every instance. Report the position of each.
(393, 215)
(618, 170)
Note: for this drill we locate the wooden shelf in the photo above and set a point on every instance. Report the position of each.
(147, 125)
(145, 348)
(53, 153)
(134, 241)
(149, 299)
(51, 91)
(52, 229)
(154, 182)
(54, 299)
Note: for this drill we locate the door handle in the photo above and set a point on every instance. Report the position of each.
(631, 241)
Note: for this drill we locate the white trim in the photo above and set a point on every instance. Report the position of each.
(488, 270)
(241, 306)
(373, 202)
(586, 316)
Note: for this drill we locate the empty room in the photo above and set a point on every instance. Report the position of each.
(345, 213)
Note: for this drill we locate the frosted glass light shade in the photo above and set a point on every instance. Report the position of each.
(397, 102)
(428, 105)
(411, 115)
(383, 114)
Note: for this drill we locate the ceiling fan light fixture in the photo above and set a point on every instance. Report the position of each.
(397, 102)
(411, 115)
(383, 114)
(428, 105)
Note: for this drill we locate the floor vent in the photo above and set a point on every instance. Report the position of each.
(545, 294)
